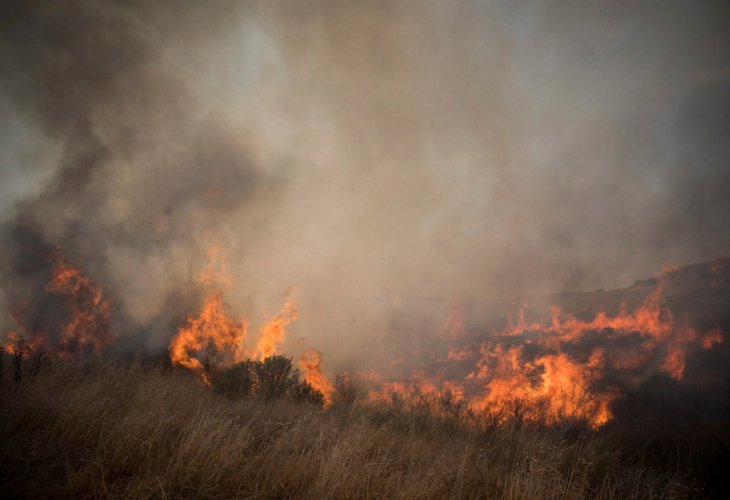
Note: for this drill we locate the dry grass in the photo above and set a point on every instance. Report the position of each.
(105, 430)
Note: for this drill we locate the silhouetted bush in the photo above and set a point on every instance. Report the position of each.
(273, 378)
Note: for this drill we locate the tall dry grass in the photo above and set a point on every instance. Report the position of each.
(97, 430)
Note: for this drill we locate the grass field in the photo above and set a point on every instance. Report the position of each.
(100, 429)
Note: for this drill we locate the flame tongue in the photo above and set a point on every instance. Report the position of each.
(548, 371)
(272, 333)
(550, 388)
(564, 367)
(85, 328)
(210, 335)
(311, 364)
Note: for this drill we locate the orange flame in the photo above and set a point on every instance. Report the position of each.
(272, 333)
(544, 371)
(210, 334)
(87, 326)
(550, 388)
(212, 337)
(311, 364)
(85, 329)
(11, 347)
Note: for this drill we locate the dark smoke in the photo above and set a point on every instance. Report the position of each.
(93, 77)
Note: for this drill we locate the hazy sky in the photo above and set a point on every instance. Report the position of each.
(366, 153)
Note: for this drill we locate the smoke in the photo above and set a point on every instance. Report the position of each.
(380, 157)
(141, 169)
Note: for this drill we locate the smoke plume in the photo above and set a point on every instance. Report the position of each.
(383, 158)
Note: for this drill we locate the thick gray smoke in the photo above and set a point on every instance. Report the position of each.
(369, 154)
(136, 169)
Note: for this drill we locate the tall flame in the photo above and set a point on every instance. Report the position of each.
(311, 364)
(212, 337)
(272, 333)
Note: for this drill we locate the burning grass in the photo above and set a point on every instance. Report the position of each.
(625, 402)
(568, 366)
(104, 429)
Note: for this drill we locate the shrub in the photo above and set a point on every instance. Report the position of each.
(346, 391)
(273, 378)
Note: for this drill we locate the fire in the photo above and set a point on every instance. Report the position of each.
(518, 325)
(212, 335)
(651, 320)
(547, 370)
(37, 343)
(550, 388)
(212, 338)
(85, 328)
(311, 364)
(712, 338)
(419, 389)
(272, 333)
(16, 345)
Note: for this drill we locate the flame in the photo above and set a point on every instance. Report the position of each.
(540, 370)
(38, 343)
(272, 333)
(212, 337)
(85, 329)
(518, 325)
(460, 354)
(87, 326)
(545, 370)
(14, 341)
(550, 388)
(311, 364)
(712, 338)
